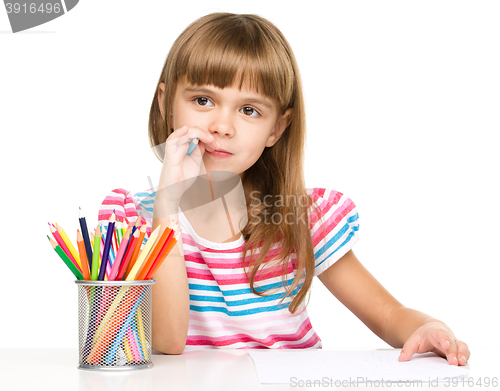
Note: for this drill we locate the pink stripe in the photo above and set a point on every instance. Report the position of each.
(268, 341)
(333, 221)
(308, 344)
(231, 279)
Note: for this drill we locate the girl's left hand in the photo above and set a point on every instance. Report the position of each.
(435, 336)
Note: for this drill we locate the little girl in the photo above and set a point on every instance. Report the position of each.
(253, 237)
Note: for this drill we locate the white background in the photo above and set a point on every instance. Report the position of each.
(402, 104)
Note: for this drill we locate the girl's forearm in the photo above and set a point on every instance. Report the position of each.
(170, 292)
(402, 323)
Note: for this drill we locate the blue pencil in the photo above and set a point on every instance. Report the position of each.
(193, 144)
(86, 238)
(107, 244)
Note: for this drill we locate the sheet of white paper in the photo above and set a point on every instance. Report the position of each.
(287, 366)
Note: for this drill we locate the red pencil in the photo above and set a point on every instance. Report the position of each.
(63, 246)
(127, 256)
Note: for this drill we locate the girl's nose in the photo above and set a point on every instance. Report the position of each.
(222, 123)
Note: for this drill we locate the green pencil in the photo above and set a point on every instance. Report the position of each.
(67, 261)
(97, 253)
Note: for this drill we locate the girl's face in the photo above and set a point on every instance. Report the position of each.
(243, 122)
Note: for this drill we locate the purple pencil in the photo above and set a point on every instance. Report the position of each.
(121, 252)
(107, 245)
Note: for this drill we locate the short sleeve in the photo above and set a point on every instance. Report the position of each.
(334, 225)
(127, 208)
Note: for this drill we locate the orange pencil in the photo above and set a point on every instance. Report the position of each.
(166, 237)
(136, 249)
(160, 260)
(83, 255)
(155, 251)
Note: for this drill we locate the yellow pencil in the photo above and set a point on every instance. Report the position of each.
(143, 254)
(71, 248)
(142, 336)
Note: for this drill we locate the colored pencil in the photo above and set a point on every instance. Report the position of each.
(143, 254)
(95, 259)
(127, 256)
(192, 145)
(130, 312)
(105, 254)
(86, 238)
(65, 258)
(102, 336)
(63, 246)
(137, 223)
(167, 233)
(119, 256)
(142, 335)
(69, 244)
(118, 229)
(162, 258)
(111, 257)
(137, 248)
(83, 255)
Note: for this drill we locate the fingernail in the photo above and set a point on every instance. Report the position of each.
(447, 343)
(454, 359)
(210, 137)
(463, 358)
(401, 353)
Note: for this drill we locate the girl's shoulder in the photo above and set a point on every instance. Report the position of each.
(334, 225)
(325, 201)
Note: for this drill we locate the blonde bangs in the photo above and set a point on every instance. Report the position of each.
(242, 58)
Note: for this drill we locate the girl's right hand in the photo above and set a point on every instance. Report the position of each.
(180, 170)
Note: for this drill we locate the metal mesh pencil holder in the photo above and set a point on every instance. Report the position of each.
(114, 319)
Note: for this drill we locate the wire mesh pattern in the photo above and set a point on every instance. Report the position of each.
(114, 324)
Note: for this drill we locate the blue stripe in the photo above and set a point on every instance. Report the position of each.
(235, 292)
(353, 218)
(147, 202)
(351, 234)
(145, 194)
(238, 313)
(330, 243)
(258, 299)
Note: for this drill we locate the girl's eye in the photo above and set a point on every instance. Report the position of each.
(202, 101)
(249, 111)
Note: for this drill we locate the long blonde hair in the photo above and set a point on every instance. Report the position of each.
(216, 49)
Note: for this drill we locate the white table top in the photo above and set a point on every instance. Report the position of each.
(195, 369)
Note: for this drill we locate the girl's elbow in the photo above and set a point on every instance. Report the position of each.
(174, 347)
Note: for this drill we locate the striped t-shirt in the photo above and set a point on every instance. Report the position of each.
(224, 312)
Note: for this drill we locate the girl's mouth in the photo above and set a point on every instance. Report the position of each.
(219, 154)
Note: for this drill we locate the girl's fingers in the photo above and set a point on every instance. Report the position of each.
(410, 347)
(449, 347)
(463, 353)
(204, 137)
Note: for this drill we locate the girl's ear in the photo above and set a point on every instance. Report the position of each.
(161, 94)
(281, 124)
